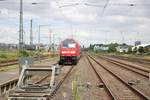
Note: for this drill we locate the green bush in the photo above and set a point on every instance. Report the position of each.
(134, 50)
(112, 49)
(23, 54)
(141, 50)
(146, 49)
(129, 51)
(3, 56)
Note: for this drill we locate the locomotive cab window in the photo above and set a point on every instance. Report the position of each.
(71, 45)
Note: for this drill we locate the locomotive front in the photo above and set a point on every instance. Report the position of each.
(69, 52)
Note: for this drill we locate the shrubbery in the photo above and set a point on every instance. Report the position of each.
(3, 56)
(23, 54)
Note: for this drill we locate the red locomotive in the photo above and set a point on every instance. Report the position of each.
(69, 52)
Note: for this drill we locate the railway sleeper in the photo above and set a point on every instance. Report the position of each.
(7, 86)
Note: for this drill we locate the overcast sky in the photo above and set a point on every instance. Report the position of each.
(91, 21)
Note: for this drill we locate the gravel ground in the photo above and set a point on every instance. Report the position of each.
(86, 82)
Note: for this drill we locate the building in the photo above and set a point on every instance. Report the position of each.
(30, 47)
(122, 48)
(4, 46)
(100, 47)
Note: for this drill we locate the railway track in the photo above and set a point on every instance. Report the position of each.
(58, 85)
(124, 89)
(137, 60)
(101, 80)
(61, 82)
(141, 82)
(140, 71)
(7, 63)
(43, 79)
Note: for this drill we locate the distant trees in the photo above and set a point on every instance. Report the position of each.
(112, 47)
(141, 49)
(130, 50)
(134, 50)
(91, 47)
(146, 49)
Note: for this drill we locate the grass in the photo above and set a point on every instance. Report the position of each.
(4, 69)
(7, 55)
(13, 55)
(75, 90)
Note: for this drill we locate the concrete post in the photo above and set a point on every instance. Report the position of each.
(52, 77)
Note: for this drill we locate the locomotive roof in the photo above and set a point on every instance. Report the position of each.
(69, 41)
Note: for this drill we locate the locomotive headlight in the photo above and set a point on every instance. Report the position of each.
(72, 52)
(63, 52)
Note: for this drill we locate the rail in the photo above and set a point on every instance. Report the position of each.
(129, 67)
(145, 70)
(104, 83)
(61, 82)
(140, 60)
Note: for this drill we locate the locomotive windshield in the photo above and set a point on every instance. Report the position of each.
(69, 43)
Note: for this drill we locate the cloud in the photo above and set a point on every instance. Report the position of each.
(8, 34)
(89, 23)
(3, 11)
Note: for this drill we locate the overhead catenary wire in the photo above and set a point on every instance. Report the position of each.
(104, 8)
(61, 11)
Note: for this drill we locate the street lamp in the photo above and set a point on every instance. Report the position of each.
(34, 3)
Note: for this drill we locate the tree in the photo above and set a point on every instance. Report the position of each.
(23, 54)
(134, 50)
(91, 47)
(146, 49)
(141, 50)
(112, 47)
(130, 50)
